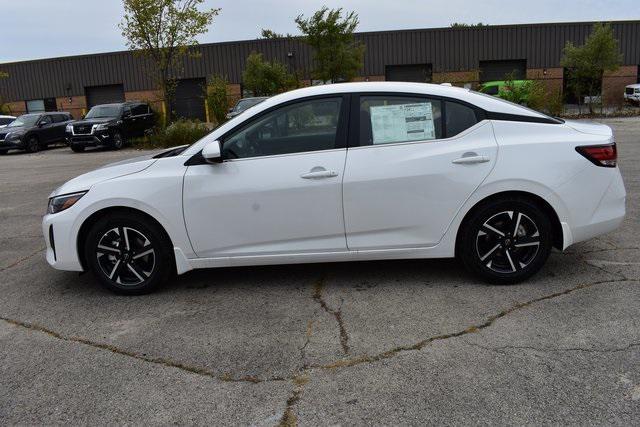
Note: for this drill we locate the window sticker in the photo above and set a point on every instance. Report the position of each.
(399, 123)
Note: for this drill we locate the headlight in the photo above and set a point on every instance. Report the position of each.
(103, 126)
(60, 203)
(13, 136)
(69, 128)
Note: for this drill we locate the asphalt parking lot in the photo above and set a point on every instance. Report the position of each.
(402, 342)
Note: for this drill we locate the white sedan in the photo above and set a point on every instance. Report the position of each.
(353, 171)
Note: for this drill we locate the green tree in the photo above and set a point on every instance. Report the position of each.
(588, 63)
(266, 33)
(218, 99)
(463, 25)
(337, 55)
(264, 78)
(164, 31)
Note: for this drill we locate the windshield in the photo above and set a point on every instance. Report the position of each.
(244, 104)
(104, 111)
(27, 120)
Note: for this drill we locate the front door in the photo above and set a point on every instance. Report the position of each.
(279, 188)
(417, 160)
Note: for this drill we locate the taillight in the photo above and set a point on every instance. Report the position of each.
(600, 155)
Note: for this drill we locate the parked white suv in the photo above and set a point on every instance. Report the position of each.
(632, 93)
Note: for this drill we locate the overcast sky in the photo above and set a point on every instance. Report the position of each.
(34, 29)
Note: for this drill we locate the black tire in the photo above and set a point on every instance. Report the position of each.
(3, 152)
(491, 247)
(117, 140)
(32, 145)
(135, 265)
(77, 148)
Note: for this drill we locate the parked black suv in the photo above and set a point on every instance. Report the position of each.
(110, 125)
(34, 131)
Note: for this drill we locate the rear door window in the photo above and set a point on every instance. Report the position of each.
(389, 119)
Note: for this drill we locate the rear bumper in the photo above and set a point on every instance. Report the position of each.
(596, 200)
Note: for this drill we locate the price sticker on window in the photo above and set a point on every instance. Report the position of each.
(401, 123)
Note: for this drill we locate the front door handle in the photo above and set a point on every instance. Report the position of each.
(470, 159)
(318, 174)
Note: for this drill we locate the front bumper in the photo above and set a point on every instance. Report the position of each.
(14, 144)
(90, 140)
(60, 238)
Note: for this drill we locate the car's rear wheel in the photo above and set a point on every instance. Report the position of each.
(117, 140)
(128, 253)
(506, 241)
(33, 145)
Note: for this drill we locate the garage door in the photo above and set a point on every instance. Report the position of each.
(108, 94)
(498, 70)
(421, 73)
(188, 101)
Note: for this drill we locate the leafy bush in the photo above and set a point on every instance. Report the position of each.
(217, 99)
(180, 132)
(264, 78)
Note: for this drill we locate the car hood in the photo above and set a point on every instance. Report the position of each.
(113, 170)
(6, 129)
(591, 128)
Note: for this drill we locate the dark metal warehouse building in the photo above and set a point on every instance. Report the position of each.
(457, 55)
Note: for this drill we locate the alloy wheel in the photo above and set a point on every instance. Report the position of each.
(117, 140)
(507, 242)
(126, 256)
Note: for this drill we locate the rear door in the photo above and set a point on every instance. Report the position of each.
(414, 162)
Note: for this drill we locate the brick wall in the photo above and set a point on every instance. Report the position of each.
(16, 108)
(153, 97)
(77, 106)
(552, 79)
(613, 84)
(457, 78)
(369, 79)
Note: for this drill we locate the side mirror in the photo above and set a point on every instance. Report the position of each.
(230, 110)
(212, 152)
(41, 124)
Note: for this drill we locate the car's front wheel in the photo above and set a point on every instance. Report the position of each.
(33, 145)
(506, 241)
(128, 253)
(117, 140)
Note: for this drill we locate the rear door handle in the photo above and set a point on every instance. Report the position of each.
(319, 174)
(469, 160)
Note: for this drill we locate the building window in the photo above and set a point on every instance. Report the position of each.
(41, 105)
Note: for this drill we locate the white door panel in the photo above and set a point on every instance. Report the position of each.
(406, 195)
(266, 205)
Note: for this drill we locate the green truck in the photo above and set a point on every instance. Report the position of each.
(503, 89)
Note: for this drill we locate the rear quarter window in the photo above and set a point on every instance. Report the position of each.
(459, 118)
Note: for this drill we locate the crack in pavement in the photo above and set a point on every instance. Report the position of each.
(155, 360)
(472, 329)
(15, 263)
(289, 418)
(337, 314)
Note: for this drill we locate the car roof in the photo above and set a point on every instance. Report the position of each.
(486, 102)
(7, 117)
(636, 85)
